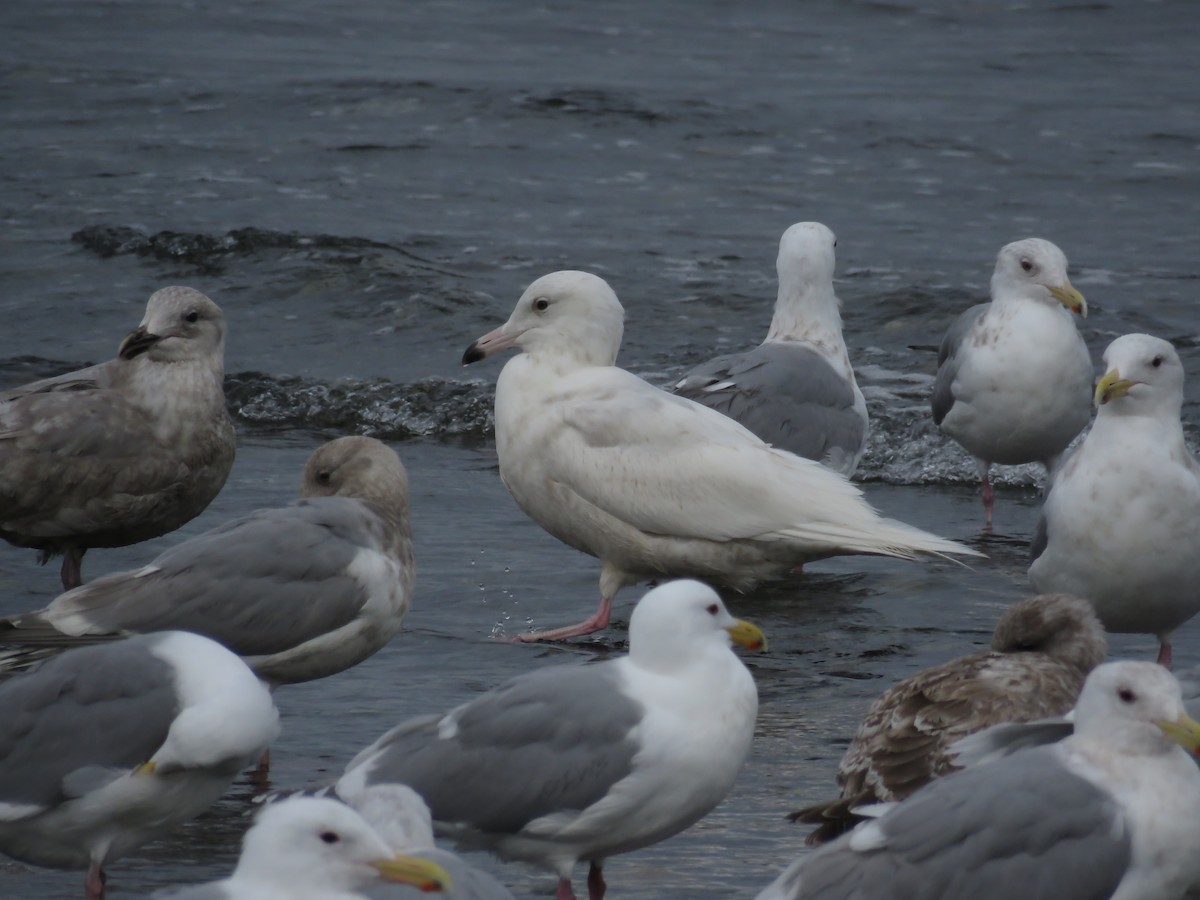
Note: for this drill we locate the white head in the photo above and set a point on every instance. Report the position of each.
(324, 844)
(180, 324)
(398, 814)
(806, 299)
(1142, 376)
(1035, 269)
(572, 315)
(674, 622)
(1136, 707)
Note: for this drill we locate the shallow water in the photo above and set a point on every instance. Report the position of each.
(367, 188)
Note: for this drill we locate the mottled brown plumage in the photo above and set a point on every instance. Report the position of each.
(1042, 650)
(123, 451)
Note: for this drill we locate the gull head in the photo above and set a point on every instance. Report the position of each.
(1142, 374)
(806, 255)
(672, 622)
(572, 315)
(1060, 626)
(1036, 269)
(180, 324)
(1136, 707)
(323, 843)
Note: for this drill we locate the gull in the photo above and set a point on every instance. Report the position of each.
(1042, 650)
(310, 848)
(1014, 376)
(656, 485)
(1108, 812)
(573, 763)
(795, 390)
(300, 592)
(107, 747)
(123, 451)
(1120, 523)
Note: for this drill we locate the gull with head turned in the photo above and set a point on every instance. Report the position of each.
(656, 485)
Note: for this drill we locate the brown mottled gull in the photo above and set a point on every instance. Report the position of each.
(299, 592)
(656, 485)
(1014, 377)
(123, 451)
(1042, 650)
(795, 390)
(1108, 812)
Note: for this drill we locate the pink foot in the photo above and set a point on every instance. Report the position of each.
(596, 883)
(597, 621)
(564, 891)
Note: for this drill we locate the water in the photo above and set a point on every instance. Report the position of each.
(367, 187)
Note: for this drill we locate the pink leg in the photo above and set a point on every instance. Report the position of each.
(989, 499)
(72, 568)
(596, 883)
(595, 622)
(1164, 652)
(93, 883)
(564, 891)
(260, 775)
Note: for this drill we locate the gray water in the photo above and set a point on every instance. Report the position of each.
(366, 187)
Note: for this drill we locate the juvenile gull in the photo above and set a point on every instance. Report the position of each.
(653, 484)
(795, 390)
(107, 747)
(574, 763)
(1110, 812)
(1014, 376)
(124, 451)
(310, 848)
(1042, 650)
(1120, 523)
(300, 592)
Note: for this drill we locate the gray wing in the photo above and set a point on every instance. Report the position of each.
(1007, 738)
(79, 460)
(551, 741)
(90, 378)
(787, 394)
(260, 584)
(467, 882)
(1026, 821)
(79, 718)
(948, 361)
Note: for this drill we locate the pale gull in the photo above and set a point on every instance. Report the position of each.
(300, 592)
(653, 484)
(1121, 523)
(1014, 376)
(574, 763)
(104, 748)
(1110, 812)
(795, 390)
(124, 451)
(1042, 650)
(311, 848)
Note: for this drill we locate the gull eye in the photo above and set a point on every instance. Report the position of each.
(192, 316)
(1156, 362)
(713, 609)
(330, 837)
(1026, 263)
(541, 304)
(1126, 695)
(324, 476)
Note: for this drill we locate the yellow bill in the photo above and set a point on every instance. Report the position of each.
(747, 635)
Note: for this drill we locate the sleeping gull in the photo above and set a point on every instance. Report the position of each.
(300, 592)
(653, 484)
(1042, 650)
(1014, 376)
(310, 848)
(1119, 524)
(1108, 812)
(124, 451)
(104, 748)
(795, 390)
(573, 763)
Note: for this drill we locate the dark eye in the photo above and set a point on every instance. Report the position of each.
(1156, 362)
(713, 609)
(835, 242)
(324, 477)
(1026, 263)
(1126, 695)
(541, 304)
(330, 837)
(192, 316)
